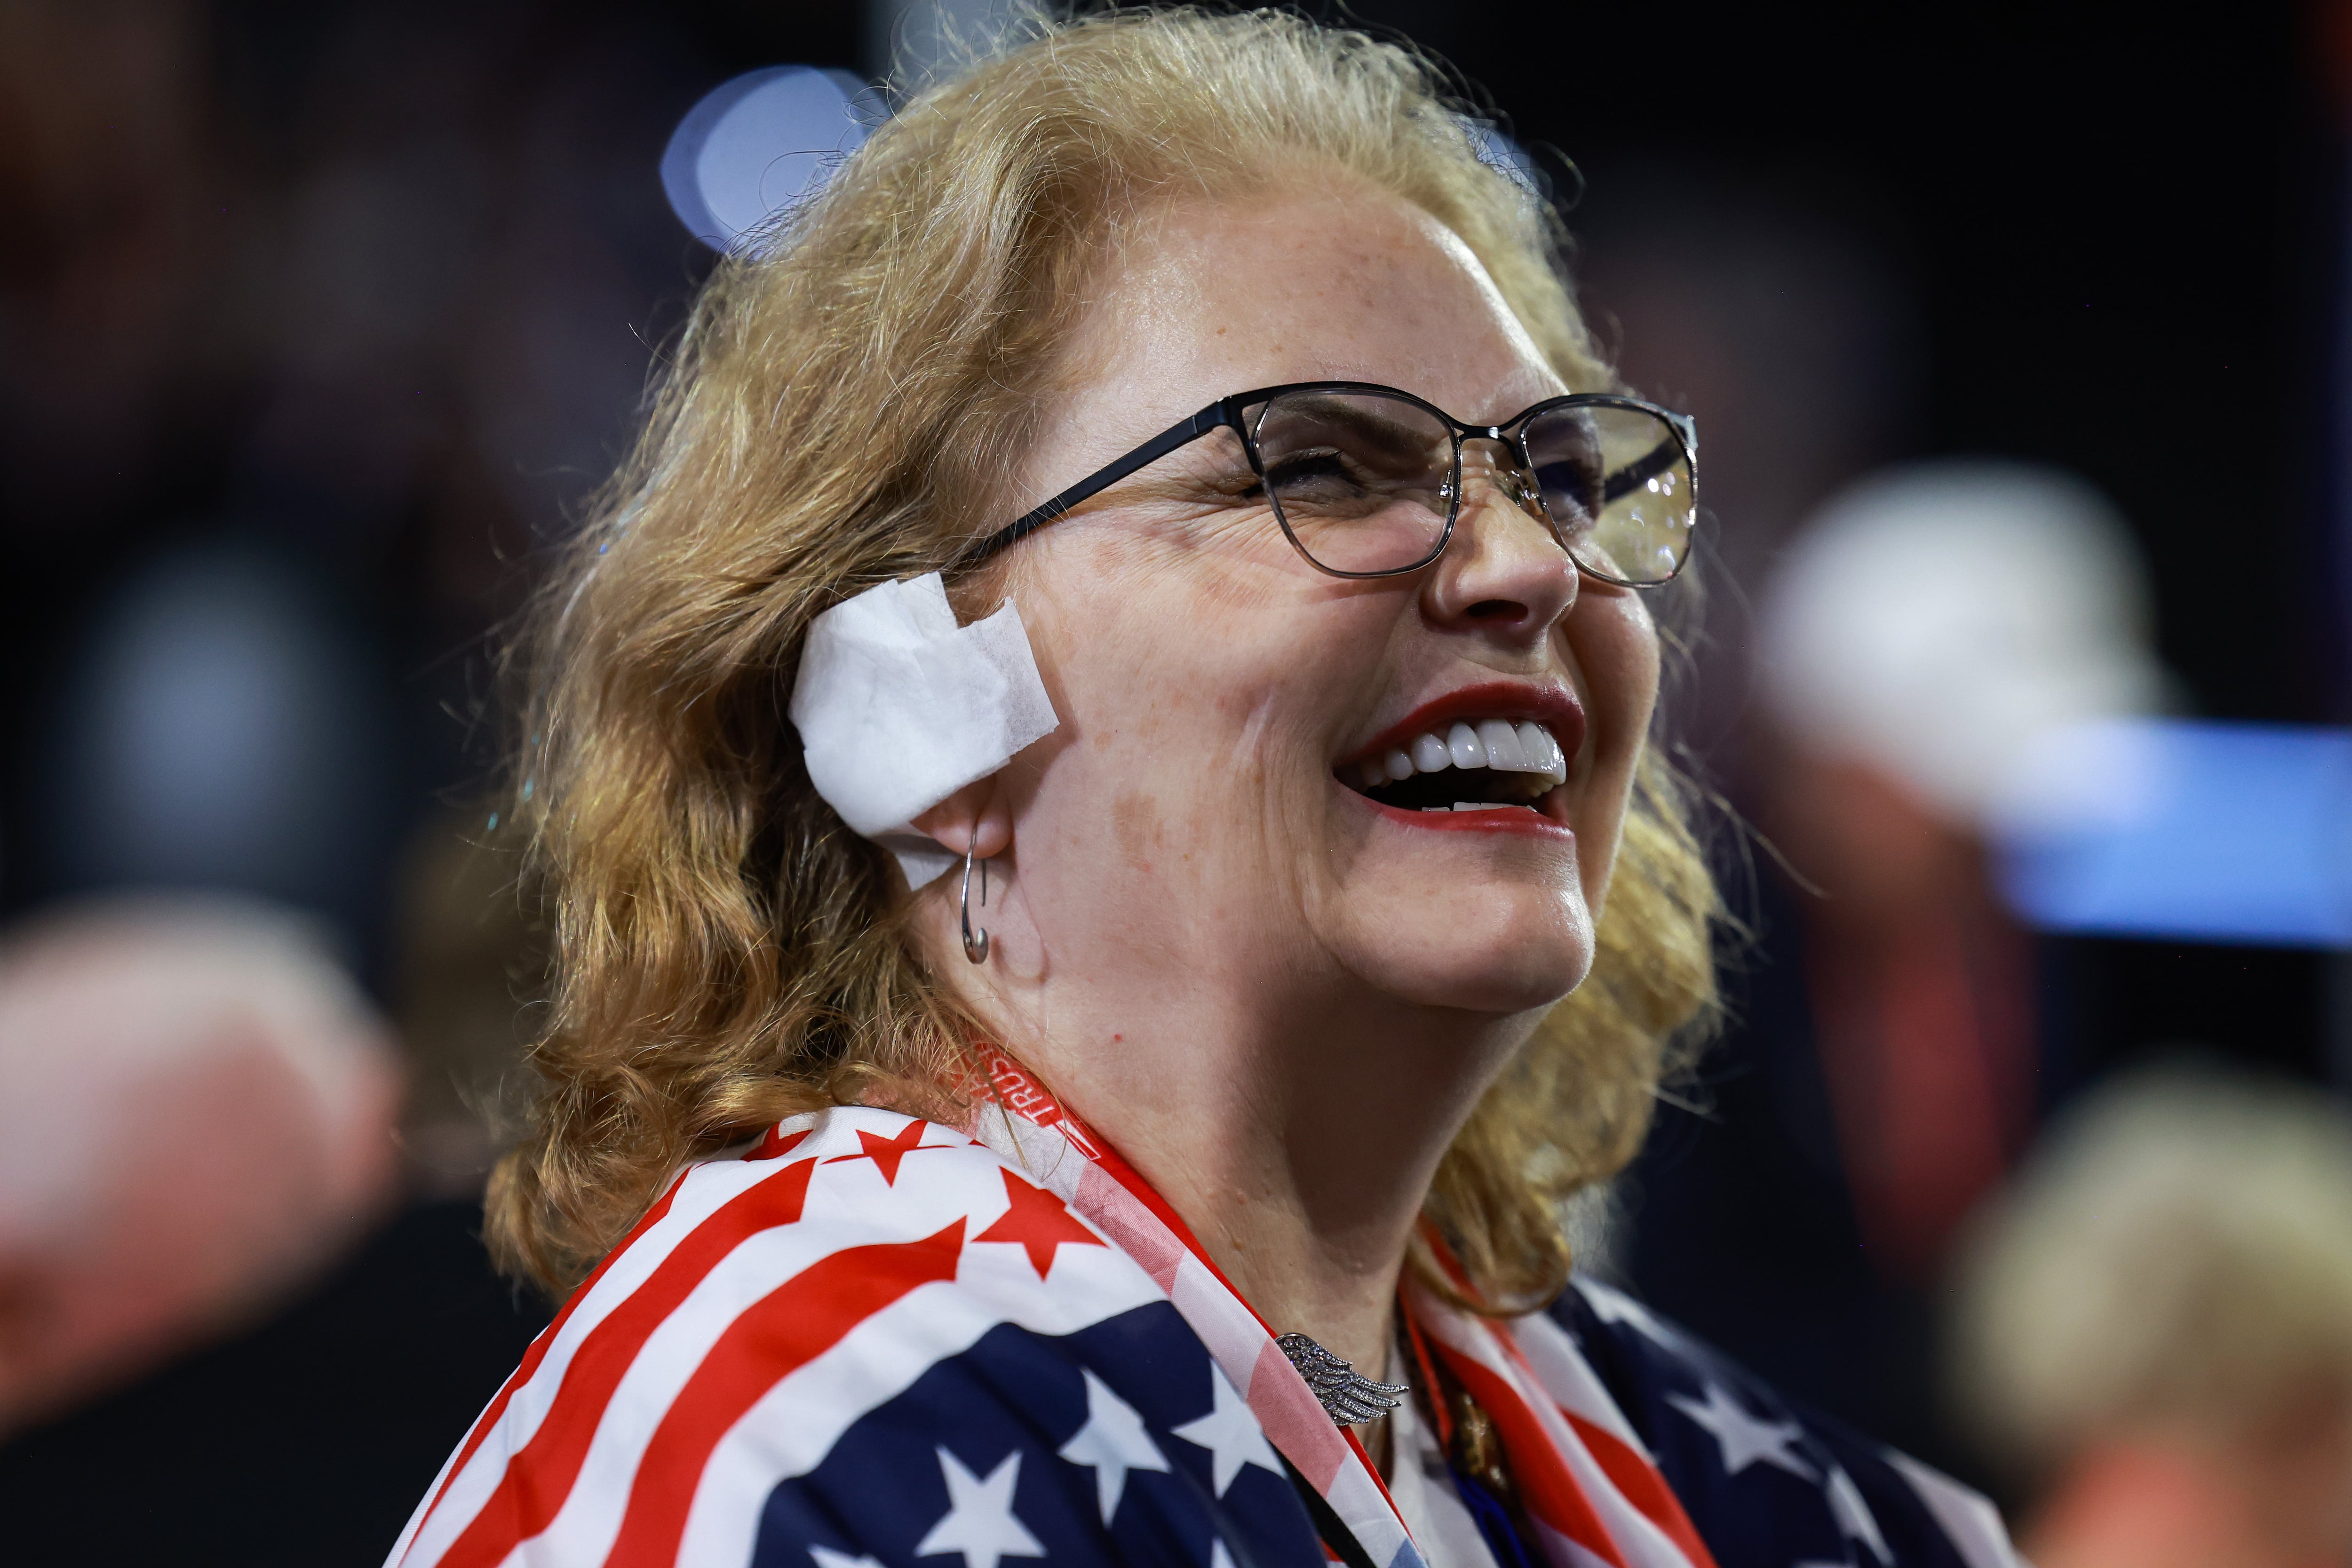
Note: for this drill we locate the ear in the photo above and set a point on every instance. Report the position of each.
(975, 820)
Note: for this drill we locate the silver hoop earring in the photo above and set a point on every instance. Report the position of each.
(976, 944)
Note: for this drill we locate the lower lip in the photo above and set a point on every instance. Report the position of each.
(1511, 819)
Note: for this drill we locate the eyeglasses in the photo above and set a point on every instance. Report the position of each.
(1366, 480)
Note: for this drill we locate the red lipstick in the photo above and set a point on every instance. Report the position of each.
(1554, 707)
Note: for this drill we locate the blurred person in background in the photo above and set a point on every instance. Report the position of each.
(1922, 636)
(312, 319)
(196, 1114)
(1917, 639)
(2155, 1328)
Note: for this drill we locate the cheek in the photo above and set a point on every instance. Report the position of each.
(1616, 652)
(1183, 699)
(1615, 647)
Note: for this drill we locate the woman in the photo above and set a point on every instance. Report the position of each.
(1050, 1211)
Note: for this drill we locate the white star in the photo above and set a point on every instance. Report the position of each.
(1745, 1439)
(1218, 1556)
(1112, 1443)
(1231, 1434)
(979, 1521)
(826, 1557)
(1854, 1519)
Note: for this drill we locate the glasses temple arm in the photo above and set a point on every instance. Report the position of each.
(1182, 433)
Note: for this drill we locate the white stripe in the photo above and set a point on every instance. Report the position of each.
(1040, 1154)
(703, 1190)
(1638, 1538)
(1563, 1551)
(796, 1423)
(1570, 1379)
(1234, 1339)
(848, 1206)
(925, 1199)
(1969, 1518)
(1363, 1507)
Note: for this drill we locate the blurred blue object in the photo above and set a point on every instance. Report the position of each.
(760, 141)
(2190, 830)
(223, 728)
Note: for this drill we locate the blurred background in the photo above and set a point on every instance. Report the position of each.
(2019, 339)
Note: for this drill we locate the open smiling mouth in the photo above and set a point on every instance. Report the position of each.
(1493, 763)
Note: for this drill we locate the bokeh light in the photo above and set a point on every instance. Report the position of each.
(759, 143)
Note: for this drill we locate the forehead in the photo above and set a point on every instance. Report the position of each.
(1348, 283)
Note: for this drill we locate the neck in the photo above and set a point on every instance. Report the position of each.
(1297, 1142)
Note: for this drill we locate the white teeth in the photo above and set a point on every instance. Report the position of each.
(1475, 806)
(1543, 752)
(1526, 747)
(1504, 754)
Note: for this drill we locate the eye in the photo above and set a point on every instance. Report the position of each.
(1571, 490)
(1324, 471)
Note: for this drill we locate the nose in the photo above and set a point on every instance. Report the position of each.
(1504, 573)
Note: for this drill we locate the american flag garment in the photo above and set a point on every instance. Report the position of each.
(874, 1342)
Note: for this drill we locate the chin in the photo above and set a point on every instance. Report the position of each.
(1513, 970)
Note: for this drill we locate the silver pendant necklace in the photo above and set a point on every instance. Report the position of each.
(1346, 1395)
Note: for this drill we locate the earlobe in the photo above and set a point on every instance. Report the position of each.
(975, 819)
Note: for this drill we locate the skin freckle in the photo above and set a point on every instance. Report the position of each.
(1139, 827)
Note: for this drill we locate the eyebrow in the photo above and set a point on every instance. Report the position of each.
(1393, 435)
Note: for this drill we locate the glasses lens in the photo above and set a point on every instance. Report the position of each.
(1360, 481)
(1618, 484)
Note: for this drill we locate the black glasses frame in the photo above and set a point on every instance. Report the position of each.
(1225, 414)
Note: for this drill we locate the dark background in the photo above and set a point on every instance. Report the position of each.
(347, 303)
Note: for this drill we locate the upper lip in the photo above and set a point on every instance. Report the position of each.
(1554, 707)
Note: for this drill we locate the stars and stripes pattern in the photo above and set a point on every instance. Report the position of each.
(873, 1342)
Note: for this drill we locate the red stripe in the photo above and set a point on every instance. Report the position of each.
(538, 1352)
(1633, 1475)
(774, 1337)
(777, 1143)
(539, 1477)
(1544, 1480)
(1628, 1468)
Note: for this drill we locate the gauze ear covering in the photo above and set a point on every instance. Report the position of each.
(898, 707)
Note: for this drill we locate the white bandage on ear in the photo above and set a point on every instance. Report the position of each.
(898, 707)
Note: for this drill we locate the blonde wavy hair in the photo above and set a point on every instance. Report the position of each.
(843, 403)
